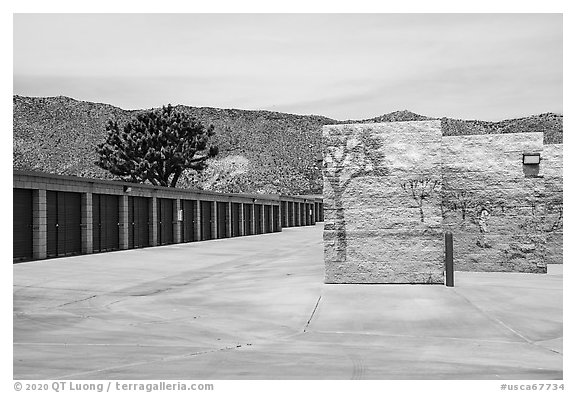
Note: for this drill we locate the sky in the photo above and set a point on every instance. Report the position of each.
(343, 66)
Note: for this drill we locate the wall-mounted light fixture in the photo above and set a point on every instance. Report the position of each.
(531, 158)
(127, 189)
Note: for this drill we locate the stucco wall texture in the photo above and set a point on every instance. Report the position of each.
(391, 190)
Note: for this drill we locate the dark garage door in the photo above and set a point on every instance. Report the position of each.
(138, 235)
(276, 226)
(164, 216)
(267, 228)
(297, 214)
(105, 221)
(206, 220)
(222, 208)
(236, 222)
(290, 214)
(189, 220)
(284, 212)
(63, 221)
(22, 224)
(258, 219)
(248, 219)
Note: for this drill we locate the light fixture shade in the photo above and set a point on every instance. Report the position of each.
(127, 189)
(531, 158)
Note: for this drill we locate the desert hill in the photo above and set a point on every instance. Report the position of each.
(260, 151)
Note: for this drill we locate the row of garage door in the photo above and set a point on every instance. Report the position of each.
(290, 212)
(63, 215)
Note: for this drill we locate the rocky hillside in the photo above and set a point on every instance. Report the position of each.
(261, 151)
(549, 123)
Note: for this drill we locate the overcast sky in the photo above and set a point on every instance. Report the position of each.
(344, 66)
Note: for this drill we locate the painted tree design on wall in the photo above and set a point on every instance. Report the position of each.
(555, 209)
(459, 200)
(529, 241)
(420, 189)
(349, 154)
(476, 208)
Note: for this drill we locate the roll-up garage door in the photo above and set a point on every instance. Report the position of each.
(222, 209)
(298, 214)
(248, 218)
(105, 222)
(21, 224)
(267, 228)
(164, 217)
(284, 214)
(206, 220)
(236, 219)
(302, 214)
(258, 219)
(63, 218)
(297, 221)
(290, 214)
(276, 227)
(138, 222)
(189, 220)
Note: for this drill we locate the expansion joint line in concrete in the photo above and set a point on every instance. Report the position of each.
(313, 312)
(77, 301)
(501, 323)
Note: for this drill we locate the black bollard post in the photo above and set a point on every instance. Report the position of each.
(449, 259)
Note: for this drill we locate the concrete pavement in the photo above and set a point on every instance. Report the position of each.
(256, 308)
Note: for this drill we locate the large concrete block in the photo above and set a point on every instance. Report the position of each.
(386, 183)
(382, 203)
(498, 209)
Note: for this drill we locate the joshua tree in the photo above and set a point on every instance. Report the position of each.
(420, 189)
(459, 200)
(555, 214)
(557, 224)
(156, 146)
(478, 209)
(349, 155)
